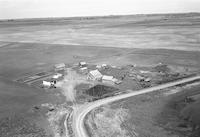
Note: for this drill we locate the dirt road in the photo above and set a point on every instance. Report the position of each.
(81, 111)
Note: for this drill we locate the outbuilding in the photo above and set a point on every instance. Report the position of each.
(82, 64)
(147, 80)
(57, 76)
(140, 78)
(94, 75)
(106, 78)
(98, 66)
(60, 66)
(84, 70)
(116, 81)
(105, 66)
(46, 84)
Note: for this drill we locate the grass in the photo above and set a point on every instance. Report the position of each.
(155, 114)
(18, 126)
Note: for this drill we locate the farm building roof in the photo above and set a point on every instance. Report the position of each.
(82, 63)
(109, 78)
(61, 65)
(57, 75)
(95, 73)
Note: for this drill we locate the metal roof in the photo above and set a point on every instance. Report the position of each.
(96, 73)
(61, 65)
(105, 77)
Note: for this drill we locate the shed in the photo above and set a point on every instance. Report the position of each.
(107, 78)
(94, 75)
(82, 64)
(60, 66)
(116, 81)
(46, 83)
(84, 70)
(147, 80)
(140, 78)
(144, 72)
(98, 66)
(57, 75)
(105, 66)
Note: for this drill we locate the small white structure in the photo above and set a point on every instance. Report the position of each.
(107, 78)
(105, 66)
(60, 66)
(94, 75)
(82, 64)
(131, 75)
(46, 84)
(84, 70)
(57, 76)
(116, 81)
(147, 80)
(140, 78)
(98, 66)
(144, 72)
(114, 66)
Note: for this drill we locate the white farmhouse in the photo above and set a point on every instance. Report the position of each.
(46, 84)
(94, 75)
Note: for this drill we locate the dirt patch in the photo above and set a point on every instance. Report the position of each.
(100, 91)
(68, 85)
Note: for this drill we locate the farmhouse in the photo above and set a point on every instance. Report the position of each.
(47, 84)
(94, 75)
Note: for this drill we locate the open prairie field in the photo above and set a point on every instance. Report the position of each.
(170, 31)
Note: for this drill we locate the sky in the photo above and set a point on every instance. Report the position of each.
(11, 9)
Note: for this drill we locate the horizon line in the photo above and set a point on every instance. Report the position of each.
(97, 16)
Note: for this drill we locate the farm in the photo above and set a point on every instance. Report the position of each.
(103, 57)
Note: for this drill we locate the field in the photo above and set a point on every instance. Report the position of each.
(35, 45)
(165, 113)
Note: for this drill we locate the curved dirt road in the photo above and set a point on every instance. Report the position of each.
(82, 111)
